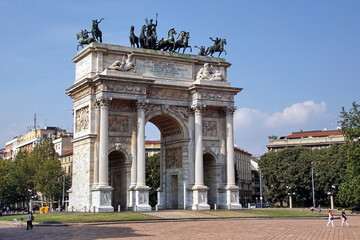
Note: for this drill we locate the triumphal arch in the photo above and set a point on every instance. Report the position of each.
(117, 90)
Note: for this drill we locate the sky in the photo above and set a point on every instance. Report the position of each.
(298, 62)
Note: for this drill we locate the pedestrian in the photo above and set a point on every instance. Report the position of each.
(320, 209)
(29, 220)
(331, 219)
(344, 218)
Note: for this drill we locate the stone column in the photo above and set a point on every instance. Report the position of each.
(230, 169)
(102, 192)
(133, 178)
(199, 189)
(141, 144)
(232, 191)
(199, 164)
(97, 140)
(142, 191)
(104, 138)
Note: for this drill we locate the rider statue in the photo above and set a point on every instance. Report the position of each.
(151, 28)
(96, 33)
(216, 41)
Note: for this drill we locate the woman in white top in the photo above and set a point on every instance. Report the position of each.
(331, 218)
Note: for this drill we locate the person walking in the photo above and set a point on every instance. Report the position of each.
(331, 219)
(29, 220)
(344, 218)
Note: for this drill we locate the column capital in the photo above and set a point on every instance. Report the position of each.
(229, 111)
(141, 104)
(103, 101)
(198, 108)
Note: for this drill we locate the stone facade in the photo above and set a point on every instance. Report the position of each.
(114, 99)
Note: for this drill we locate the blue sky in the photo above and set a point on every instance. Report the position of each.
(298, 61)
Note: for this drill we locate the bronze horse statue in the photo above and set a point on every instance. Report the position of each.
(134, 40)
(182, 42)
(219, 47)
(84, 38)
(143, 37)
(96, 33)
(167, 44)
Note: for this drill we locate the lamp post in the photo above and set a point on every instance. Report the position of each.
(261, 193)
(290, 194)
(313, 185)
(331, 194)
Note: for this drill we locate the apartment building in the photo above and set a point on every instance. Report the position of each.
(310, 139)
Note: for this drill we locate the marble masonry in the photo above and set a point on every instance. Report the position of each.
(117, 90)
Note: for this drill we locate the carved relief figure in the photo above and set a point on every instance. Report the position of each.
(174, 158)
(209, 128)
(82, 119)
(118, 124)
(126, 64)
(208, 73)
(204, 72)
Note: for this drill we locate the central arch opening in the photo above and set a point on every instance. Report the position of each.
(170, 133)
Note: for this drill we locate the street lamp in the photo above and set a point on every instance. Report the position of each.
(290, 194)
(331, 194)
(313, 185)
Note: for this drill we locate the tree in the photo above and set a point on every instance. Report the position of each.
(289, 171)
(17, 181)
(350, 122)
(349, 190)
(153, 177)
(48, 177)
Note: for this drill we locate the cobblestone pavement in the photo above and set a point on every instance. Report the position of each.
(242, 228)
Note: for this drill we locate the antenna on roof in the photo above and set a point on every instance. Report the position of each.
(34, 121)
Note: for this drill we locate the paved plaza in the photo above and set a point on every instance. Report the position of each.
(241, 228)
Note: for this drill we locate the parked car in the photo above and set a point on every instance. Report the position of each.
(262, 205)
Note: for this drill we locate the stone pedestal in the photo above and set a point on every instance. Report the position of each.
(232, 197)
(101, 199)
(160, 200)
(142, 198)
(200, 198)
(131, 198)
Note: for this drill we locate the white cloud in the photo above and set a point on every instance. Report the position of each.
(252, 126)
(297, 114)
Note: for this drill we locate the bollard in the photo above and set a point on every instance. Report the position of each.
(156, 208)
(118, 208)
(215, 206)
(94, 209)
(72, 208)
(135, 208)
(85, 208)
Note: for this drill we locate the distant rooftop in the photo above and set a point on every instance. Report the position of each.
(316, 133)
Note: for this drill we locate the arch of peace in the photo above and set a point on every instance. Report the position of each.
(117, 90)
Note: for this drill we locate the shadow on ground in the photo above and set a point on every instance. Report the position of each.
(89, 232)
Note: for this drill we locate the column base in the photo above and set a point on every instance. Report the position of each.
(200, 198)
(142, 198)
(232, 197)
(101, 198)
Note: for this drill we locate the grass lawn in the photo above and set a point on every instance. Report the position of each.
(80, 217)
(262, 213)
(108, 217)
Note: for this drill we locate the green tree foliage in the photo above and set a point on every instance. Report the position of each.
(49, 175)
(350, 122)
(289, 171)
(153, 177)
(29, 173)
(349, 190)
(18, 180)
(349, 194)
